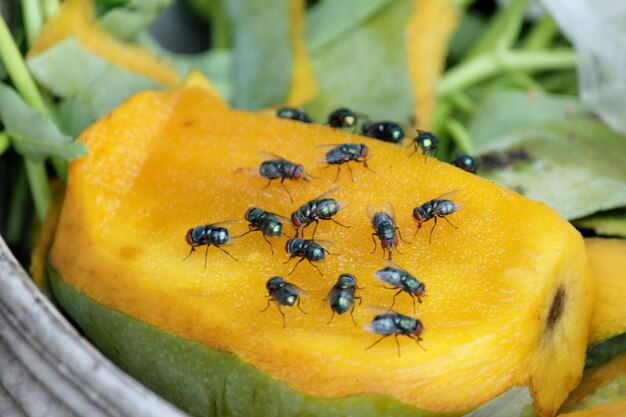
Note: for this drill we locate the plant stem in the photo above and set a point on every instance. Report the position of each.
(541, 35)
(5, 142)
(503, 29)
(60, 167)
(33, 19)
(39, 188)
(463, 102)
(49, 8)
(17, 210)
(485, 66)
(460, 135)
(16, 67)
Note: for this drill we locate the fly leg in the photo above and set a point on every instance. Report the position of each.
(282, 314)
(297, 263)
(419, 226)
(352, 311)
(340, 224)
(300, 306)
(282, 182)
(316, 267)
(393, 302)
(269, 182)
(270, 243)
(223, 250)
(190, 252)
(206, 253)
(376, 342)
(417, 340)
(338, 171)
(317, 222)
(400, 234)
(350, 169)
(250, 229)
(397, 343)
(431, 231)
(449, 222)
(331, 317)
(374, 240)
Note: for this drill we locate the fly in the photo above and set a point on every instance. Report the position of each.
(394, 323)
(384, 225)
(344, 153)
(466, 163)
(214, 234)
(341, 297)
(385, 131)
(426, 142)
(342, 117)
(283, 293)
(310, 250)
(439, 207)
(320, 208)
(401, 280)
(270, 224)
(293, 114)
(275, 167)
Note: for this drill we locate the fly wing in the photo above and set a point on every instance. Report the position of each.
(388, 277)
(251, 172)
(326, 194)
(267, 156)
(324, 243)
(224, 223)
(446, 195)
(279, 218)
(395, 266)
(299, 290)
(371, 211)
(388, 208)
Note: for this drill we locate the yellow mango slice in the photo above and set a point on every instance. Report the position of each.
(608, 261)
(76, 18)
(427, 52)
(303, 84)
(509, 288)
(601, 391)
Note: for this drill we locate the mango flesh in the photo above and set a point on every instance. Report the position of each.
(608, 261)
(509, 292)
(77, 18)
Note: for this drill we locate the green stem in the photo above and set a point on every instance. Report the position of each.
(503, 29)
(542, 34)
(5, 142)
(463, 4)
(220, 30)
(60, 167)
(16, 212)
(463, 102)
(559, 82)
(39, 188)
(16, 67)
(460, 135)
(486, 66)
(33, 19)
(443, 109)
(49, 8)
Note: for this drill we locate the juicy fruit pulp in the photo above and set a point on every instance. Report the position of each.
(507, 292)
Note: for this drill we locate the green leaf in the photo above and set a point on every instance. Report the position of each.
(204, 381)
(605, 351)
(506, 110)
(215, 64)
(329, 21)
(3, 71)
(470, 28)
(575, 165)
(263, 55)
(93, 85)
(366, 69)
(134, 16)
(33, 135)
(609, 223)
(516, 402)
